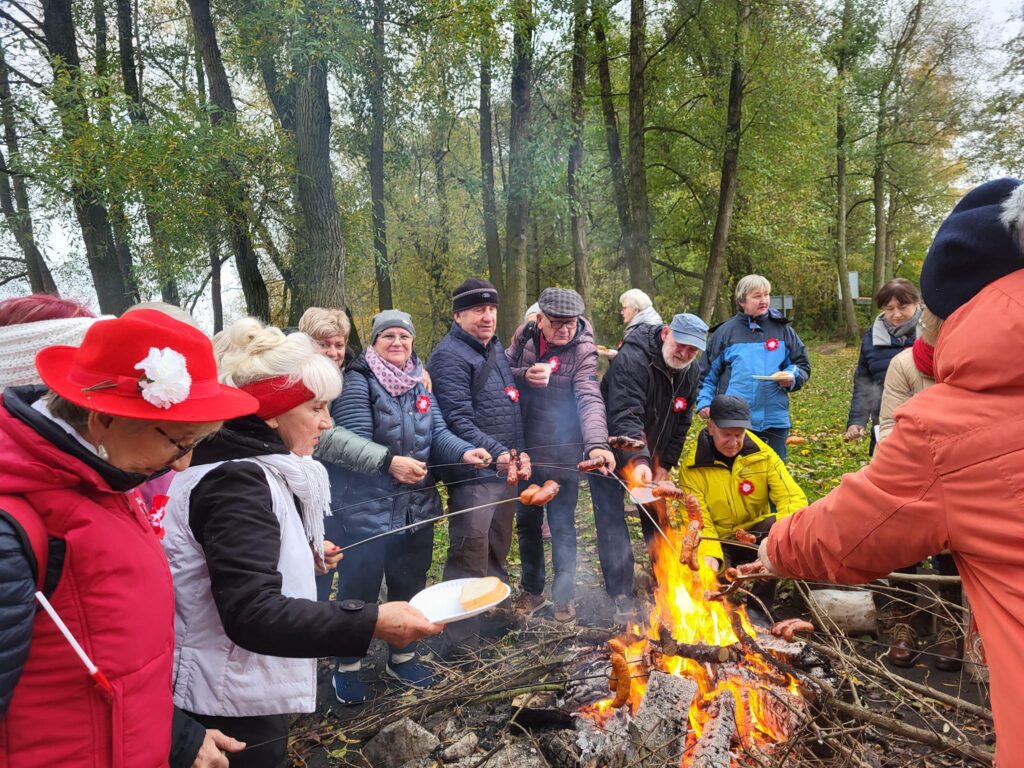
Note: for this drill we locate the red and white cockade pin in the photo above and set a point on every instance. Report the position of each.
(423, 403)
(771, 345)
(679, 404)
(555, 364)
(746, 487)
(156, 514)
(512, 393)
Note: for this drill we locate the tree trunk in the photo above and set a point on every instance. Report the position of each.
(639, 256)
(216, 301)
(890, 240)
(140, 119)
(380, 234)
(257, 298)
(878, 273)
(577, 217)
(319, 266)
(730, 171)
(14, 195)
(100, 247)
(440, 306)
(513, 304)
(611, 129)
(491, 239)
(849, 316)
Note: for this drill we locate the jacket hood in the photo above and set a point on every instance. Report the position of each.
(647, 338)
(981, 343)
(37, 455)
(241, 438)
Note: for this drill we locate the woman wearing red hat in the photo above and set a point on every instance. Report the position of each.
(133, 399)
(244, 536)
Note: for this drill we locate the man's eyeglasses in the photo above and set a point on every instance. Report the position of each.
(560, 324)
(183, 449)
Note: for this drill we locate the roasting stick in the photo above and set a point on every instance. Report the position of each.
(424, 522)
(94, 672)
(654, 519)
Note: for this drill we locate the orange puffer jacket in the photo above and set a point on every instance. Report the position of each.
(950, 476)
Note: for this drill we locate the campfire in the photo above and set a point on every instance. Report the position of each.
(695, 682)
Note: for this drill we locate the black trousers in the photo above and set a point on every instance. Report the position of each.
(265, 736)
(401, 559)
(478, 546)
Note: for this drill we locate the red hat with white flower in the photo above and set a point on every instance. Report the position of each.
(144, 365)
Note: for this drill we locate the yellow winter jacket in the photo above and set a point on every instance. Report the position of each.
(740, 497)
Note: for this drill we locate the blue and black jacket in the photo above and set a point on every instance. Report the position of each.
(743, 347)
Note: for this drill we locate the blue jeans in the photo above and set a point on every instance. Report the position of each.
(562, 521)
(775, 437)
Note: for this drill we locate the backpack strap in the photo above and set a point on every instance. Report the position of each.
(483, 373)
(30, 529)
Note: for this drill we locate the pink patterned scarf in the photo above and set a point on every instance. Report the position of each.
(397, 381)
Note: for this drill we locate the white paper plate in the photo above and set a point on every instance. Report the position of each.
(642, 495)
(765, 378)
(440, 603)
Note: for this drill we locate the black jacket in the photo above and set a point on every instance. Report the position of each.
(232, 517)
(644, 398)
(878, 347)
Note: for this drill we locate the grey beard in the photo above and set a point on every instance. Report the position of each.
(671, 364)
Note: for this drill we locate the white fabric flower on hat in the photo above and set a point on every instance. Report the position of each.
(166, 380)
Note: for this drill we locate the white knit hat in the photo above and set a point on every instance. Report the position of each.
(20, 343)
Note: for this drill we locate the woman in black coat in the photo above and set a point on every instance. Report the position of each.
(894, 330)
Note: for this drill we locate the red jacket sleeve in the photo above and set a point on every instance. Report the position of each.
(888, 515)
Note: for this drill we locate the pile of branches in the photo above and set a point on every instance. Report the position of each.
(873, 718)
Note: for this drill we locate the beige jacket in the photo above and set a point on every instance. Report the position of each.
(902, 382)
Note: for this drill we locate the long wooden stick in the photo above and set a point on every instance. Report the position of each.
(922, 735)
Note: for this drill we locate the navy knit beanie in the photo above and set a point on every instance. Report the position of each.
(472, 293)
(981, 241)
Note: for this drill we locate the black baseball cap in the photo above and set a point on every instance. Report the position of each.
(728, 411)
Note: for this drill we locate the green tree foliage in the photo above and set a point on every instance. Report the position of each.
(920, 109)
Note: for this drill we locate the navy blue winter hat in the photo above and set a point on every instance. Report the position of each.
(981, 241)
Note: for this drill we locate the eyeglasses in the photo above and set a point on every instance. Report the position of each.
(391, 338)
(560, 324)
(183, 450)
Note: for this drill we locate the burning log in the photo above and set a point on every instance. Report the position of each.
(705, 654)
(712, 750)
(659, 729)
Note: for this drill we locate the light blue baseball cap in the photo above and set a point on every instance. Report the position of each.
(689, 329)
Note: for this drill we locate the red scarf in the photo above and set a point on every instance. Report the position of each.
(924, 358)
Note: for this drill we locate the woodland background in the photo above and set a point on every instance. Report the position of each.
(263, 156)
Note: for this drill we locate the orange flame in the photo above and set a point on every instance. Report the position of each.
(680, 605)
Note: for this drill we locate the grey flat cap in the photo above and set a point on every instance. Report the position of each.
(560, 302)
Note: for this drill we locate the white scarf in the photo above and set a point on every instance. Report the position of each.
(307, 479)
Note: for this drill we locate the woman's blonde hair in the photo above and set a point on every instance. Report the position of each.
(250, 351)
(323, 323)
(750, 283)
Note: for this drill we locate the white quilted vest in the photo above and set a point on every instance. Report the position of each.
(212, 675)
